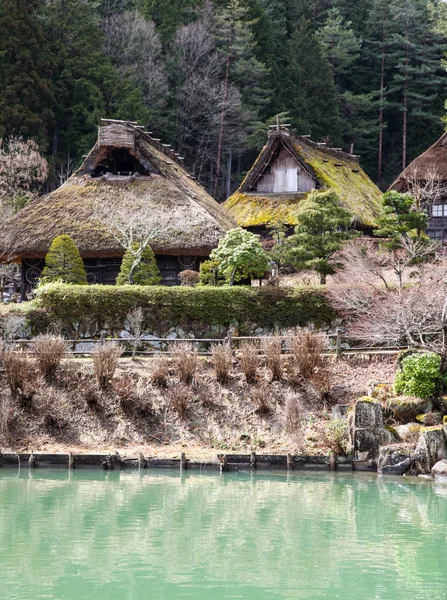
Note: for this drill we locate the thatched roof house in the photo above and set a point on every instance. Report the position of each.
(287, 169)
(125, 167)
(426, 179)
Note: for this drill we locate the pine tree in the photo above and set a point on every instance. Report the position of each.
(64, 263)
(25, 68)
(145, 272)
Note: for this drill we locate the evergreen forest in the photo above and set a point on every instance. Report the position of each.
(210, 76)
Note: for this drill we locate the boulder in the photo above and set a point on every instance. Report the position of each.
(340, 411)
(439, 471)
(408, 431)
(407, 408)
(430, 419)
(431, 448)
(395, 459)
(367, 431)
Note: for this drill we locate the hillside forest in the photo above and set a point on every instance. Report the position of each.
(210, 76)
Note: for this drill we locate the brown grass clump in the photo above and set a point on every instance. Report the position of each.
(249, 361)
(160, 371)
(20, 375)
(221, 359)
(179, 398)
(335, 436)
(293, 414)
(49, 351)
(105, 362)
(272, 348)
(2, 352)
(186, 361)
(307, 348)
(6, 417)
(260, 396)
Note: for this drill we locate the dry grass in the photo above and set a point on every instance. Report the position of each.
(20, 375)
(105, 362)
(260, 396)
(222, 359)
(2, 352)
(293, 414)
(335, 436)
(186, 361)
(160, 371)
(272, 348)
(307, 348)
(49, 351)
(249, 359)
(6, 417)
(179, 398)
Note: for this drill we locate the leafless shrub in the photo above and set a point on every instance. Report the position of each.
(307, 349)
(221, 359)
(160, 371)
(20, 375)
(260, 395)
(293, 414)
(6, 417)
(249, 359)
(321, 381)
(186, 361)
(189, 277)
(179, 398)
(272, 348)
(335, 435)
(124, 388)
(2, 352)
(105, 362)
(134, 322)
(49, 351)
(90, 393)
(54, 406)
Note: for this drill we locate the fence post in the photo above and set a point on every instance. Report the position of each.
(338, 349)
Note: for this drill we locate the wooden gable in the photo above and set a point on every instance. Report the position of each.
(284, 174)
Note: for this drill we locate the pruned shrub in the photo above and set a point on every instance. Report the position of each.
(20, 375)
(260, 395)
(105, 361)
(160, 371)
(419, 375)
(307, 348)
(221, 359)
(272, 348)
(189, 277)
(249, 359)
(179, 398)
(49, 351)
(186, 361)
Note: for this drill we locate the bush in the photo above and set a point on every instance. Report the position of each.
(249, 361)
(206, 306)
(49, 351)
(64, 263)
(222, 359)
(160, 372)
(19, 375)
(189, 277)
(272, 348)
(146, 273)
(307, 349)
(179, 398)
(186, 361)
(105, 362)
(419, 375)
(260, 396)
(336, 436)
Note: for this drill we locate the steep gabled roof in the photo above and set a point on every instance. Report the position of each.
(190, 221)
(431, 163)
(331, 168)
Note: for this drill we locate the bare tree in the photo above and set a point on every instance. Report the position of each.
(66, 169)
(428, 190)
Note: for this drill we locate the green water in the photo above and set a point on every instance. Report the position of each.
(106, 536)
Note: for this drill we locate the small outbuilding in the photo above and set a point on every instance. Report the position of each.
(126, 165)
(426, 179)
(288, 168)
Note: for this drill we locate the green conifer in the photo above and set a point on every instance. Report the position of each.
(138, 271)
(64, 263)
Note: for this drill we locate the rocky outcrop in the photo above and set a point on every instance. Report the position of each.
(406, 409)
(367, 432)
(409, 431)
(395, 460)
(439, 471)
(431, 448)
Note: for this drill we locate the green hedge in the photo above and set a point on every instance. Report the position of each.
(167, 307)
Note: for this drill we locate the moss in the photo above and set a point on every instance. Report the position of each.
(368, 399)
(433, 428)
(444, 420)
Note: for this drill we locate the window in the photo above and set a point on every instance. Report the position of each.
(439, 210)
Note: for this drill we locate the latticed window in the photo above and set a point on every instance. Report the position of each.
(439, 210)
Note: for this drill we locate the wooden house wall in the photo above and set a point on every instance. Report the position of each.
(285, 174)
(117, 136)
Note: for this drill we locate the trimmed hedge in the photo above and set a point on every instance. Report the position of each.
(191, 307)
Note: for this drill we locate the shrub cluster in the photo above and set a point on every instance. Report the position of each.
(187, 306)
(419, 375)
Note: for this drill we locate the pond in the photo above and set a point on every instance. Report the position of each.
(162, 535)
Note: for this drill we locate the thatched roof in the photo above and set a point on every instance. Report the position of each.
(188, 220)
(430, 164)
(331, 168)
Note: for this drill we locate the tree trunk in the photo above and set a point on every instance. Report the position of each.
(228, 186)
(381, 98)
(405, 116)
(233, 275)
(323, 278)
(222, 119)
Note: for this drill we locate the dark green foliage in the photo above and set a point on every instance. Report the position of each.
(64, 263)
(200, 307)
(145, 273)
(400, 217)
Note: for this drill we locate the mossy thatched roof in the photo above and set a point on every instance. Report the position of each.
(331, 168)
(188, 219)
(431, 164)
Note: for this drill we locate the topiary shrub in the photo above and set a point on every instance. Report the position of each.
(64, 263)
(145, 273)
(419, 375)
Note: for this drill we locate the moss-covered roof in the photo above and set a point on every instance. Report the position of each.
(332, 169)
(188, 219)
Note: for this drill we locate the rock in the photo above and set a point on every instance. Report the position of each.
(367, 430)
(84, 347)
(123, 334)
(431, 448)
(443, 404)
(258, 332)
(408, 431)
(430, 419)
(395, 459)
(439, 471)
(154, 344)
(172, 335)
(340, 411)
(407, 408)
